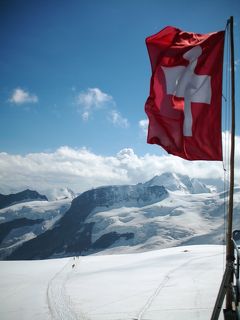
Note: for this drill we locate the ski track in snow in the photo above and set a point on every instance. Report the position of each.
(59, 303)
(161, 286)
(155, 294)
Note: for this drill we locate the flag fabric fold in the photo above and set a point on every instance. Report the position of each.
(184, 104)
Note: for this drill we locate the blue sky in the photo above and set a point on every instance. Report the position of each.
(76, 73)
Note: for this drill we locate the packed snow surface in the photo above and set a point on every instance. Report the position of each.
(175, 284)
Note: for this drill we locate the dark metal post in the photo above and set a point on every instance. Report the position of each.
(229, 245)
(226, 288)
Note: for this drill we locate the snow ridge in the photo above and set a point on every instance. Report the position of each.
(176, 182)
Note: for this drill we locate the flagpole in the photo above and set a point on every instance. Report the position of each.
(229, 244)
(225, 288)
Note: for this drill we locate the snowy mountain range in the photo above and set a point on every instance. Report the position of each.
(24, 196)
(169, 210)
(30, 215)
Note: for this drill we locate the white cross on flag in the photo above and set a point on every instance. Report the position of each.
(184, 105)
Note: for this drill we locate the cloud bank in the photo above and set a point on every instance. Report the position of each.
(81, 169)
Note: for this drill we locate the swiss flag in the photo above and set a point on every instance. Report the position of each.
(184, 105)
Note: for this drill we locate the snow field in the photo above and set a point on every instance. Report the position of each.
(24, 284)
(177, 283)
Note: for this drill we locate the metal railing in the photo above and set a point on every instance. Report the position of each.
(230, 283)
(236, 283)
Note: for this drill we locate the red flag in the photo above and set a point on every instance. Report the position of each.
(184, 105)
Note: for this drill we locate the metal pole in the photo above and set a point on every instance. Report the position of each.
(225, 288)
(229, 245)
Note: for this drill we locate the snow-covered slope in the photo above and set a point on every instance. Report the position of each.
(24, 221)
(177, 283)
(176, 220)
(46, 210)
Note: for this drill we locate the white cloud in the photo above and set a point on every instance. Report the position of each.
(143, 124)
(20, 96)
(116, 118)
(81, 169)
(92, 99)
